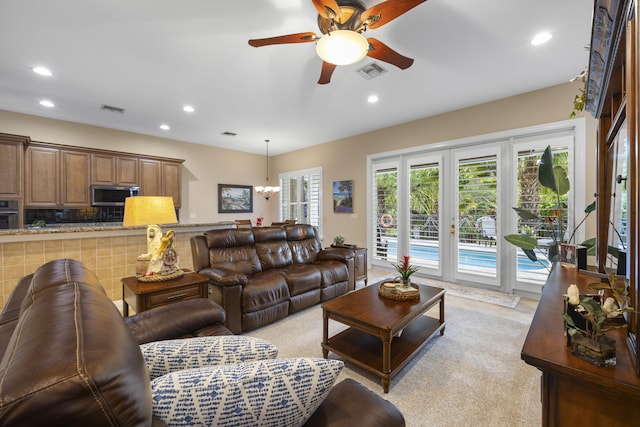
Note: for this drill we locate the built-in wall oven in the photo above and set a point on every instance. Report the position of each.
(9, 214)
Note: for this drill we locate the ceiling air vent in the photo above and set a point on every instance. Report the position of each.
(229, 133)
(112, 109)
(371, 71)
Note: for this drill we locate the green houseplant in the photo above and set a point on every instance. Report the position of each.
(338, 240)
(555, 178)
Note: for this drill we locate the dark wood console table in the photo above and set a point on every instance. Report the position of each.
(575, 392)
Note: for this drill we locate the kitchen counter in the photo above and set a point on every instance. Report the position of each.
(80, 230)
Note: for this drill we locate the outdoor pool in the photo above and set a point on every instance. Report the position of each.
(467, 257)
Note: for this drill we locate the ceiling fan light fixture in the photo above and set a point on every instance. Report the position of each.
(342, 47)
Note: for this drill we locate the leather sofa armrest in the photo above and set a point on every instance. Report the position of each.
(176, 320)
(350, 403)
(223, 276)
(337, 254)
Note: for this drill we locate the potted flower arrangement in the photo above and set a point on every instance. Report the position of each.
(589, 318)
(405, 270)
(338, 240)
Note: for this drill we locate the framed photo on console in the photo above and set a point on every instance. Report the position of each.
(235, 198)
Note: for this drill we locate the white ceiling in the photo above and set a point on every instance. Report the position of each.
(151, 57)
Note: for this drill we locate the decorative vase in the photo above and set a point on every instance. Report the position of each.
(599, 352)
(405, 283)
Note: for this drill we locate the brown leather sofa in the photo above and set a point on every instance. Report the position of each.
(263, 274)
(69, 359)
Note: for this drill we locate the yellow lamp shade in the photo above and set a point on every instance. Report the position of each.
(148, 210)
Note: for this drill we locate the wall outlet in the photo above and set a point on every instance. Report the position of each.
(354, 216)
(192, 215)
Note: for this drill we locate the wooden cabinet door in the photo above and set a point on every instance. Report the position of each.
(11, 165)
(75, 179)
(42, 189)
(171, 181)
(127, 170)
(150, 174)
(103, 169)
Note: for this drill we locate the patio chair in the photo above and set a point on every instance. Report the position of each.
(487, 230)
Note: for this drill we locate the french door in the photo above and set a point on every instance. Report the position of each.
(449, 209)
(429, 207)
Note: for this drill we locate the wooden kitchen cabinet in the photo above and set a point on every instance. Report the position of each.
(110, 169)
(74, 184)
(171, 181)
(41, 179)
(150, 177)
(161, 178)
(11, 165)
(56, 177)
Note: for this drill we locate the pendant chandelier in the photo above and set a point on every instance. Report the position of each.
(267, 190)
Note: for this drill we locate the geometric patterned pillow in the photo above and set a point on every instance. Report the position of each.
(163, 357)
(276, 392)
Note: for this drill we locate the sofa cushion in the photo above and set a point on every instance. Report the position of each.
(233, 249)
(332, 272)
(264, 290)
(272, 248)
(163, 357)
(304, 243)
(277, 392)
(301, 278)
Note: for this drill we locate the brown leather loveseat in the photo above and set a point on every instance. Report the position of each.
(67, 357)
(261, 275)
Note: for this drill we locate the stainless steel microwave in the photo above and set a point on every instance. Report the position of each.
(111, 195)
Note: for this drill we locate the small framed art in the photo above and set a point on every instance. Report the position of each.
(235, 198)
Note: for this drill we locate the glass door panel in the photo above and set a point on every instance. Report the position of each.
(384, 230)
(425, 248)
(476, 216)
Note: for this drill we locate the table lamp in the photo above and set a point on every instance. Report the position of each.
(161, 261)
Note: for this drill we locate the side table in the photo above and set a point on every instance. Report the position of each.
(145, 295)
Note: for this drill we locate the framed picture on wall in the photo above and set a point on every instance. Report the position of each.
(235, 198)
(343, 196)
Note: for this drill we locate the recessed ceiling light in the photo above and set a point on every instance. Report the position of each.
(43, 71)
(188, 109)
(47, 103)
(372, 99)
(541, 38)
(165, 127)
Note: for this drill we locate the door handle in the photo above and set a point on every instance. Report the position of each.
(452, 230)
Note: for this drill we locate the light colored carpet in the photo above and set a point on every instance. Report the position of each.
(472, 375)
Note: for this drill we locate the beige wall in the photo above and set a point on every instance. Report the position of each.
(346, 159)
(205, 167)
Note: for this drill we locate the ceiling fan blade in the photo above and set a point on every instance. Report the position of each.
(381, 51)
(290, 38)
(385, 12)
(327, 8)
(325, 74)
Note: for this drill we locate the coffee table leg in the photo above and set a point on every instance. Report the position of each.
(325, 333)
(442, 313)
(386, 361)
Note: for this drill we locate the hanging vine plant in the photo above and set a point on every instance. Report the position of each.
(580, 99)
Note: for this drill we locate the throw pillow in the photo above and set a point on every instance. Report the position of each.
(276, 392)
(163, 357)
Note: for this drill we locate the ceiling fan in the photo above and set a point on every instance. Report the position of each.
(342, 24)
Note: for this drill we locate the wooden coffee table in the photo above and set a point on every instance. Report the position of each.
(383, 334)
